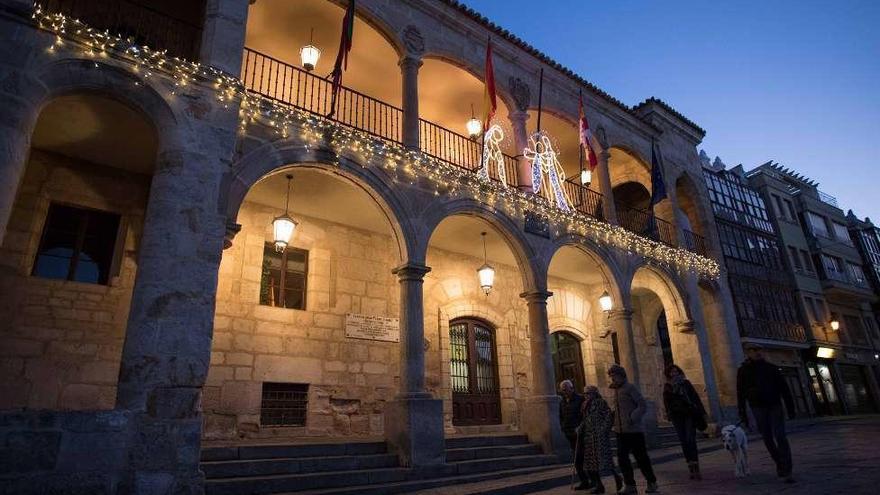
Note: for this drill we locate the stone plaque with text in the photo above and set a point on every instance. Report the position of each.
(372, 327)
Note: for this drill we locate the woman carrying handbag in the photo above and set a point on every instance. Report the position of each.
(685, 409)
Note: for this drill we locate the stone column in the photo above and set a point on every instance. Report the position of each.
(518, 120)
(409, 68)
(223, 35)
(540, 417)
(170, 325)
(724, 342)
(414, 420)
(698, 326)
(603, 177)
(621, 324)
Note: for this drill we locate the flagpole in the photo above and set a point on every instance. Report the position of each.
(540, 97)
(580, 152)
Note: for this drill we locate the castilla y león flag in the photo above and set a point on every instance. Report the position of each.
(342, 57)
(490, 101)
(586, 136)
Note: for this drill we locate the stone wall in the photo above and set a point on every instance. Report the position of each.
(61, 341)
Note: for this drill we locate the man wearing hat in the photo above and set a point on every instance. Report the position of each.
(761, 385)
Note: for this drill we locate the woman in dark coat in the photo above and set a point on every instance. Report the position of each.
(595, 433)
(685, 409)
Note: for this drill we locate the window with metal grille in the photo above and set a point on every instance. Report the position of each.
(283, 282)
(284, 404)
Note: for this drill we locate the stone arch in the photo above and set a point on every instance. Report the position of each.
(662, 283)
(603, 257)
(475, 70)
(523, 252)
(691, 204)
(271, 157)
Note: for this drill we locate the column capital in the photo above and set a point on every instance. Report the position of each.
(620, 314)
(604, 155)
(518, 116)
(410, 61)
(411, 271)
(536, 296)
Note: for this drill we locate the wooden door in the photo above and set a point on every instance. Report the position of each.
(568, 363)
(473, 365)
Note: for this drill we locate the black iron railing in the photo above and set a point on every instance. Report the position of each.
(645, 224)
(694, 242)
(141, 23)
(771, 330)
(584, 199)
(452, 147)
(292, 85)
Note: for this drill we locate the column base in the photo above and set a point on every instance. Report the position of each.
(414, 430)
(540, 421)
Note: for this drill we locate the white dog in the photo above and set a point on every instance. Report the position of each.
(737, 443)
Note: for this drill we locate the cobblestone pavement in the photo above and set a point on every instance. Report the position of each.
(839, 457)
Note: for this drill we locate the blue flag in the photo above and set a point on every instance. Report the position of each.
(658, 187)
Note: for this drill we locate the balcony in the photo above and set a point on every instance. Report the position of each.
(291, 85)
(171, 27)
(771, 330)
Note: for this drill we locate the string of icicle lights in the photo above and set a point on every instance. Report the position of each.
(402, 164)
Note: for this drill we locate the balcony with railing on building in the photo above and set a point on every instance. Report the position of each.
(840, 275)
(164, 25)
(772, 330)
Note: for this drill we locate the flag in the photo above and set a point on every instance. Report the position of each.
(341, 64)
(658, 187)
(585, 135)
(490, 101)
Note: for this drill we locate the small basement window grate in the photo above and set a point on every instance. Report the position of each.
(284, 404)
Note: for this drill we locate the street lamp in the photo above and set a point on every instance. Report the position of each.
(486, 273)
(310, 54)
(835, 324)
(474, 126)
(284, 226)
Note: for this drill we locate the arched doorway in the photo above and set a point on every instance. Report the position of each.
(473, 364)
(568, 361)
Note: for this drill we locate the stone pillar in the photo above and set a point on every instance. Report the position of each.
(700, 329)
(725, 347)
(518, 120)
(409, 68)
(621, 324)
(414, 420)
(540, 417)
(603, 177)
(170, 325)
(223, 35)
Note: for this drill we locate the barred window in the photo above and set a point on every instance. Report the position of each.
(284, 404)
(283, 283)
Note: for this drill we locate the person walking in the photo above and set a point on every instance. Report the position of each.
(595, 435)
(629, 408)
(570, 417)
(761, 385)
(685, 409)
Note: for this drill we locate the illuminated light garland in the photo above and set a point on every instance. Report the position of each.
(401, 164)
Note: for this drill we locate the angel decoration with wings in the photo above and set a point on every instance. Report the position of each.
(492, 155)
(545, 162)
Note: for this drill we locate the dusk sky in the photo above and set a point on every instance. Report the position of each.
(794, 81)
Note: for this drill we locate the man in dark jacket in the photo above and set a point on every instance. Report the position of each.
(570, 416)
(762, 386)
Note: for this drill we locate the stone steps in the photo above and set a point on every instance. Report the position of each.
(363, 467)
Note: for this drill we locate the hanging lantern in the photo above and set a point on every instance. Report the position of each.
(309, 54)
(605, 302)
(586, 177)
(486, 273)
(474, 126)
(284, 226)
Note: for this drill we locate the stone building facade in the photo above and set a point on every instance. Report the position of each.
(140, 310)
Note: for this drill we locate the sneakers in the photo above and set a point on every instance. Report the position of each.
(628, 490)
(652, 488)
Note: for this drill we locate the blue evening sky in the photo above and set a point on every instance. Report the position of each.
(795, 81)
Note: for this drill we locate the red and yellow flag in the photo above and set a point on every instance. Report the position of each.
(586, 136)
(490, 100)
(341, 64)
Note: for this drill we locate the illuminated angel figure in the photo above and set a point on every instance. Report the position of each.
(492, 155)
(545, 161)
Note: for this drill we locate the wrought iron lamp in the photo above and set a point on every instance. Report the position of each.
(486, 273)
(310, 54)
(284, 226)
